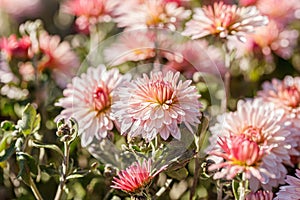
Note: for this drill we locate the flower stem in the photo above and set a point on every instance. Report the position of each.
(34, 189)
(63, 176)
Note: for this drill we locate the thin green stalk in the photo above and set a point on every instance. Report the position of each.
(63, 176)
(34, 189)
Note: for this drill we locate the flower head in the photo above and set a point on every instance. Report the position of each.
(131, 46)
(88, 100)
(14, 47)
(224, 20)
(285, 94)
(151, 13)
(58, 57)
(190, 58)
(135, 178)
(260, 195)
(156, 105)
(90, 12)
(261, 127)
(290, 191)
(242, 155)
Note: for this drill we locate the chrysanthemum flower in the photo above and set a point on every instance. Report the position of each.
(224, 20)
(281, 11)
(131, 46)
(14, 47)
(263, 124)
(189, 58)
(286, 95)
(90, 12)
(136, 177)
(58, 58)
(242, 155)
(156, 105)
(260, 195)
(272, 38)
(292, 190)
(88, 100)
(151, 13)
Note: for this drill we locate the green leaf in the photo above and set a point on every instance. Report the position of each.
(30, 122)
(179, 174)
(27, 164)
(7, 126)
(3, 142)
(8, 152)
(47, 146)
(49, 169)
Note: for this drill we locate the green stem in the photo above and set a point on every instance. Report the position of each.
(34, 189)
(63, 177)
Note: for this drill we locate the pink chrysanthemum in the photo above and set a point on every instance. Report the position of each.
(131, 46)
(224, 20)
(156, 105)
(151, 13)
(272, 38)
(242, 155)
(286, 95)
(88, 100)
(190, 58)
(260, 195)
(281, 11)
(14, 47)
(90, 12)
(263, 124)
(58, 57)
(136, 177)
(291, 191)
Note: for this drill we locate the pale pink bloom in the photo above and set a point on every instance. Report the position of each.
(58, 57)
(263, 124)
(224, 20)
(281, 11)
(6, 74)
(292, 190)
(154, 105)
(90, 12)
(260, 195)
(196, 56)
(131, 46)
(135, 14)
(272, 38)
(13, 47)
(27, 71)
(21, 8)
(136, 177)
(88, 100)
(286, 95)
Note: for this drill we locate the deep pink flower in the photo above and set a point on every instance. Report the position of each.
(58, 57)
(154, 105)
(151, 13)
(242, 155)
(88, 100)
(90, 12)
(136, 177)
(292, 190)
(14, 47)
(262, 123)
(224, 20)
(260, 195)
